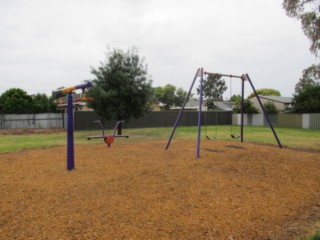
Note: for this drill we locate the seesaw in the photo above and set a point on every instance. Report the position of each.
(108, 139)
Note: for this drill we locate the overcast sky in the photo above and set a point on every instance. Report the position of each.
(46, 44)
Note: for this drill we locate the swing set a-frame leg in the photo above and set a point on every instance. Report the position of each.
(264, 111)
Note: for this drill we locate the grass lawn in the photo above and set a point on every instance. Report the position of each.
(316, 236)
(289, 137)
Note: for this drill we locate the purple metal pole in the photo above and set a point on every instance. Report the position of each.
(70, 89)
(199, 114)
(264, 111)
(242, 108)
(70, 142)
(180, 113)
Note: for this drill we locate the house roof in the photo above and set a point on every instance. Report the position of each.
(278, 98)
(194, 104)
(226, 106)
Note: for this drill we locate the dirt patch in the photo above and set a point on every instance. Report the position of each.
(28, 131)
(141, 191)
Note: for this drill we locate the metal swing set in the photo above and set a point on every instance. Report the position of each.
(244, 77)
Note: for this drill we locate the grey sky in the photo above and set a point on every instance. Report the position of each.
(46, 44)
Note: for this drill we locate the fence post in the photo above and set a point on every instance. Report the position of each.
(62, 119)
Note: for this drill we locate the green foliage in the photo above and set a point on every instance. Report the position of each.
(248, 107)
(169, 96)
(16, 101)
(41, 103)
(235, 98)
(180, 97)
(210, 104)
(310, 77)
(52, 103)
(308, 101)
(213, 87)
(270, 107)
(122, 87)
(316, 236)
(265, 92)
(307, 13)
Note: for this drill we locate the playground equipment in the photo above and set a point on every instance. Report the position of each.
(200, 73)
(108, 139)
(83, 98)
(70, 139)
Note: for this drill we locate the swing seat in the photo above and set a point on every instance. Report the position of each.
(109, 140)
(213, 137)
(233, 136)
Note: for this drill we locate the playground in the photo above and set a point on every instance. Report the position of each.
(138, 190)
(146, 190)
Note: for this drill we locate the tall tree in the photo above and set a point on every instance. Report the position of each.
(122, 86)
(307, 11)
(16, 100)
(265, 92)
(180, 96)
(41, 103)
(235, 98)
(248, 107)
(52, 102)
(169, 95)
(213, 87)
(308, 100)
(270, 108)
(310, 77)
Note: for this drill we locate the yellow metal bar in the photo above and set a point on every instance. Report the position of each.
(68, 89)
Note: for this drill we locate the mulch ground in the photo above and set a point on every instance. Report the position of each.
(141, 191)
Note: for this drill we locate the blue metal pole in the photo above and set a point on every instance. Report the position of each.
(264, 111)
(70, 142)
(181, 110)
(199, 114)
(242, 108)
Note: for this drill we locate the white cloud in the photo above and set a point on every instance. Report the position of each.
(47, 44)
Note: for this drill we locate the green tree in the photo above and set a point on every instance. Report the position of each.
(210, 103)
(180, 97)
(307, 11)
(170, 96)
(213, 87)
(248, 107)
(270, 107)
(52, 103)
(310, 77)
(265, 92)
(41, 103)
(166, 95)
(235, 98)
(308, 100)
(16, 100)
(122, 87)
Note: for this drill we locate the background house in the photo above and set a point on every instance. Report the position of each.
(62, 103)
(281, 103)
(193, 105)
